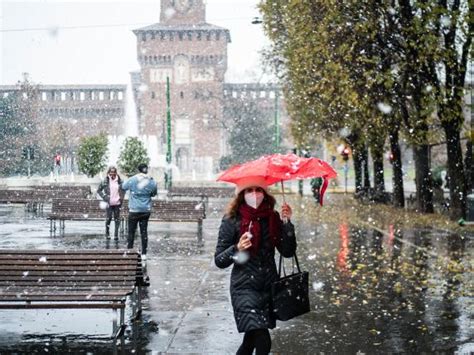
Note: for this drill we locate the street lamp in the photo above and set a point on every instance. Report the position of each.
(277, 124)
(345, 156)
(28, 154)
(276, 132)
(168, 171)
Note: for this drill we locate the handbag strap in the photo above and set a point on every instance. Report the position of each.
(282, 263)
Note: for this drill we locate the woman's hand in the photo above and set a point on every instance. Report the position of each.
(244, 242)
(286, 212)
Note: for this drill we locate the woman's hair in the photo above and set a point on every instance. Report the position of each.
(111, 168)
(237, 201)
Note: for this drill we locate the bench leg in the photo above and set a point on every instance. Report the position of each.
(52, 226)
(114, 324)
(206, 202)
(139, 302)
(118, 331)
(199, 234)
(136, 301)
(133, 301)
(122, 321)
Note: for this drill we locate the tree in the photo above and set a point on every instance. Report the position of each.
(328, 74)
(251, 134)
(454, 24)
(339, 61)
(10, 130)
(132, 153)
(17, 127)
(92, 154)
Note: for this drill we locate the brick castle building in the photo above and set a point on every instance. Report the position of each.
(192, 55)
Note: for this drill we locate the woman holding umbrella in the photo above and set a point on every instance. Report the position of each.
(252, 228)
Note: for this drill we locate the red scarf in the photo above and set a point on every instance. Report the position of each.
(249, 214)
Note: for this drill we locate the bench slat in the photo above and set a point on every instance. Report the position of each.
(62, 273)
(70, 296)
(44, 258)
(70, 263)
(64, 288)
(62, 267)
(49, 305)
(102, 252)
(72, 285)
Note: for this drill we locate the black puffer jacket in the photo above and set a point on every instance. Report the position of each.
(250, 283)
(104, 189)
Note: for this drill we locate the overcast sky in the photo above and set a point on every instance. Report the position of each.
(90, 42)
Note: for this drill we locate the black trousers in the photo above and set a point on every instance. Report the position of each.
(258, 340)
(115, 212)
(135, 219)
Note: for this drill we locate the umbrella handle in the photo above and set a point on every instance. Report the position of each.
(285, 220)
(283, 191)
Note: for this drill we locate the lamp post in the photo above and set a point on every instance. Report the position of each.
(345, 156)
(168, 172)
(276, 130)
(28, 154)
(277, 124)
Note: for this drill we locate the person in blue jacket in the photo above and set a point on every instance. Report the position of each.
(142, 188)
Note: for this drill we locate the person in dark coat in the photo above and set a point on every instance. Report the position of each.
(110, 191)
(316, 184)
(249, 233)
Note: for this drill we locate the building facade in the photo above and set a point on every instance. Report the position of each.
(190, 54)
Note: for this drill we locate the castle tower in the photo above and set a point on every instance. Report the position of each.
(193, 55)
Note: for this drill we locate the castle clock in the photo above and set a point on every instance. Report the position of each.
(182, 6)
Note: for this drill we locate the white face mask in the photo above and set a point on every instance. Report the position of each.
(253, 199)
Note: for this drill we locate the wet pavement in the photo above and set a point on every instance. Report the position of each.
(375, 288)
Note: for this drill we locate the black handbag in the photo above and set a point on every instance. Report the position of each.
(290, 293)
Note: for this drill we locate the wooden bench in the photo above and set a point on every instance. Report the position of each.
(162, 211)
(81, 190)
(36, 196)
(75, 210)
(52, 279)
(177, 211)
(203, 192)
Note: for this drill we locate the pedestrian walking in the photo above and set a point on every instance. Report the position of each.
(142, 188)
(57, 165)
(316, 184)
(249, 233)
(111, 192)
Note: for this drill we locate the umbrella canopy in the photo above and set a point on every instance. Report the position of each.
(280, 167)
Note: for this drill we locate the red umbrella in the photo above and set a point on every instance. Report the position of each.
(280, 167)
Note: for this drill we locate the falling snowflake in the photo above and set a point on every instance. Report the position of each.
(384, 108)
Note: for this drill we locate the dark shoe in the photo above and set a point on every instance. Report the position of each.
(115, 238)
